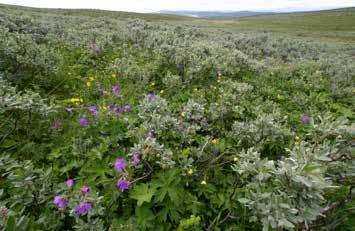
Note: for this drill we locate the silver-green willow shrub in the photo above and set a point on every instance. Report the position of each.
(284, 193)
(229, 96)
(27, 101)
(150, 150)
(156, 115)
(267, 127)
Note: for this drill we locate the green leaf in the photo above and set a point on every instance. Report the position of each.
(11, 224)
(142, 193)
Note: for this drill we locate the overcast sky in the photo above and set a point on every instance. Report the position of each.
(202, 5)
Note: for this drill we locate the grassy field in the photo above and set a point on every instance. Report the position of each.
(331, 25)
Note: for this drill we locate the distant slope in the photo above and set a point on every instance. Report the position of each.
(330, 25)
(213, 14)
(335, 25)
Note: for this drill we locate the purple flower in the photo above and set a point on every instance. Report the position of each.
(150, 134)
(70, 110)
(127, 108)
(135, 158)
(305, 119)
(58, 123)
(123, 185)
(69, 183)
(120, 165)
(84, 121)
(111, 106)
(151, 97)
(116, 89)
(333, 85)
(83, 208)
(92, 109)
(85, 189)
(118, 110)
(60, 202)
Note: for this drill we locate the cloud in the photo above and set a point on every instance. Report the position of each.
(155, 5)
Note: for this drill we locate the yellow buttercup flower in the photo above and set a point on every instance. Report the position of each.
(195, 89)
(91, 78)
(235, 159)
(190, 172)
(182, 114)
(88, 84)
(152, 84)
(214, 141)
(297, 138)
(74, 100)
(297, 143)
(203, 182)
(162, 91)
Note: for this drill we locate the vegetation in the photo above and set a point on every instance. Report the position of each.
(118, 121)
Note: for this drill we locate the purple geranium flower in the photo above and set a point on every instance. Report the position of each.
(151, 97)
(333, 85)
(111, 106)
(92, 109)
(135, 157)
(83, 208)
(127, 108)
(85, 189)
(118, 110)
(123, 185)
(69, 183)
(150, 134)
(84, 121)
(116, 89)
(305, 119)
(60, 202)
(120, 165)
(58, 123)
(70, 110)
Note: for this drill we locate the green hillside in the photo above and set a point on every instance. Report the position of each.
(125, 121)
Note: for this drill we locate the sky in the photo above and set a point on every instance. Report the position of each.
(199, 5)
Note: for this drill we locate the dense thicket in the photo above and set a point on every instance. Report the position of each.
(113, 123)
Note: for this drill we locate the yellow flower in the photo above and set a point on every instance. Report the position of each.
(297, 143)
(152, 84)
(195, 89)
(235, 159)
(203, 182)
(214, 141)
(354, 91)
(318, 72)
(91, 78)
(113, 75)
(88, 84)
(103, 107)
(162, 91)
(190, 172)
(74, 100)
(182, 114)
(297, 138)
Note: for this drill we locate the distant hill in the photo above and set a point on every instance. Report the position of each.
(214, 14)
